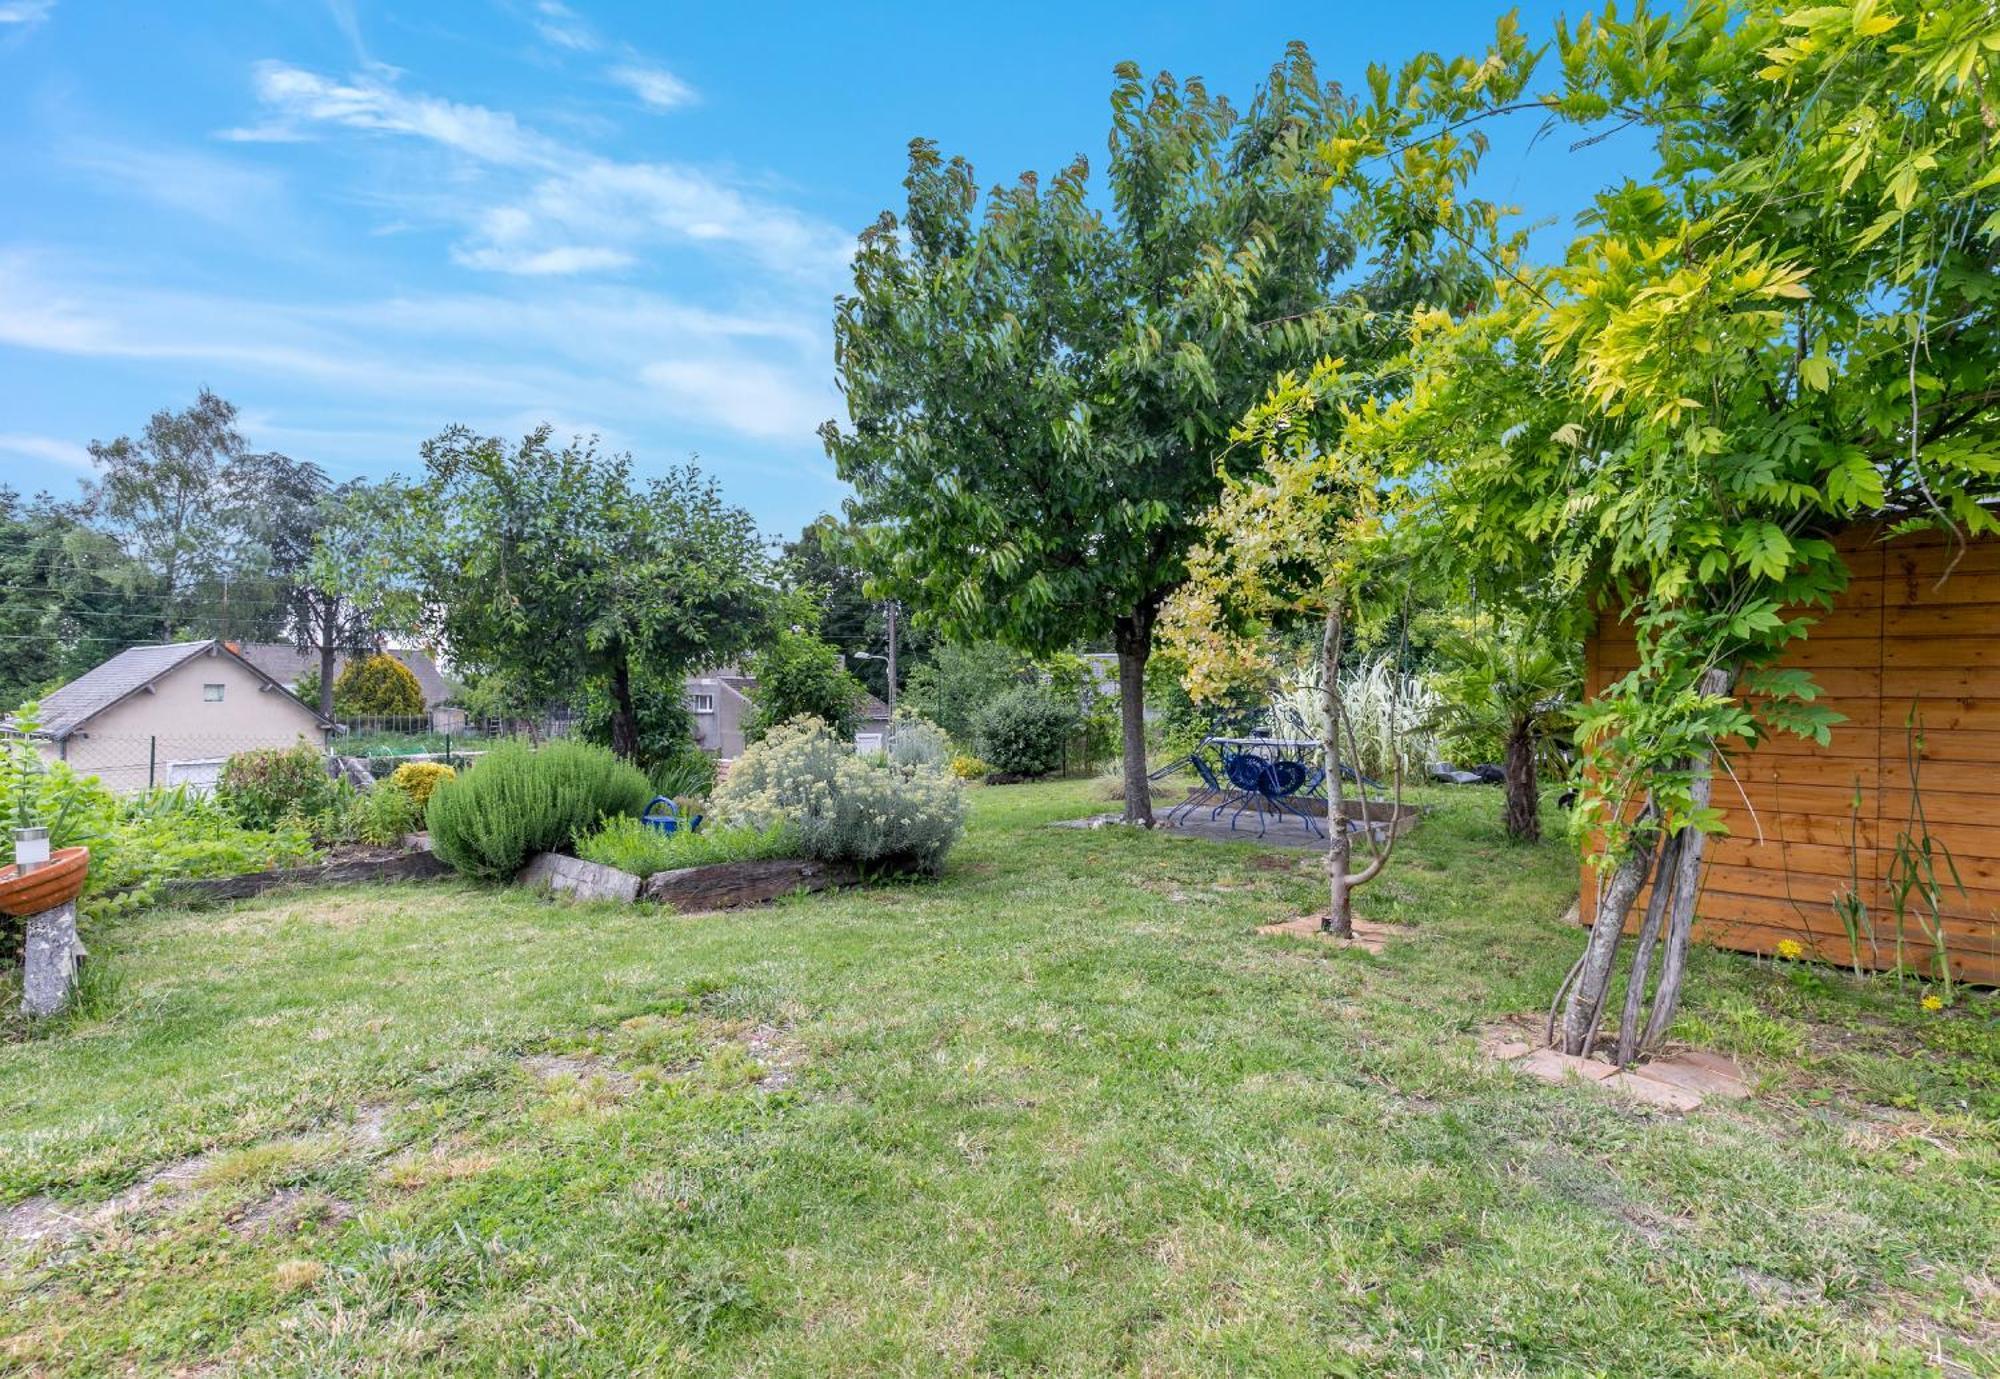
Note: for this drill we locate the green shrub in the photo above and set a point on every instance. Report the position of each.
(625, 843)
(844, 810)
(418, 778)
(916, 741)
(175, 834)
(522, 801)
(687, 771)
(377, 686)
(969, 767)
(383, 815)
(49, 794)
(263, 787)
(1022, 732)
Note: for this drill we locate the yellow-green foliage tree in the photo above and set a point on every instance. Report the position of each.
(377, 686)
(1791, 324)
(1300, 538)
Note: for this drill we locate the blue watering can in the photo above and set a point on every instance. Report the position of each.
(668, 821)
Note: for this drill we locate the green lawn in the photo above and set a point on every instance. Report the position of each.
(1062, 1112)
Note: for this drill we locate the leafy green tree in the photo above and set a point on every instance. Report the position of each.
(1514, 684)
(176, 499)
(555, 568)
(1789, 325)
(817, 566)
(800, 675)
(69, 597)
(358, 578)
(959, 680)
(1041, 391)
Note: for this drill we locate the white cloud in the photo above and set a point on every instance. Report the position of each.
(636, 360)
(48, 449)
(559, 24)
(745, 395)
(25, 11)
(585, 213)
(373, 104)
(630, 205)
(656, 86)
(219, 190)
(542, 263)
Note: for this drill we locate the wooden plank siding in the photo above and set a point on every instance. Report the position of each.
(1917, 630)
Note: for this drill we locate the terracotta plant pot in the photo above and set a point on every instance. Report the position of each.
(46, 887)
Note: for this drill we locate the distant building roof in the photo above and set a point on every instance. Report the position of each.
(285, 663)
(65, 710)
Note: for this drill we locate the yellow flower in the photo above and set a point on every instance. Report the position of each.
(1933, 1003)
(1791, 949)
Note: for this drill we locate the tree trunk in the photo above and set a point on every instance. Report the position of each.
(1642, 953)
(624, 718)
(1524, 801)
(326, 657)
(1133, 636)
(1585, 1005)
(1686, 884)
(1339, 843)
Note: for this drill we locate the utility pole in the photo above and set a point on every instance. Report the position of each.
(892, 666)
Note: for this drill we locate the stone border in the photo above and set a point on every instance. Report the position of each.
(690, 890)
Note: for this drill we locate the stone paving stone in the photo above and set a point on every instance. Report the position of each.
(1704, 1074)
(1662, 1094)
(1552, 1066)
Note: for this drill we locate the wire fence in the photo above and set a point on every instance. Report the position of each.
(383, 742)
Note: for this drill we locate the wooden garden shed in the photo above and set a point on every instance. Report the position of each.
(1808, 824)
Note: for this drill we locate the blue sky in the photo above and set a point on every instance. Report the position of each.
(361, 220)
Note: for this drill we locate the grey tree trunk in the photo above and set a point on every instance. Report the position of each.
(1339, 844)
(326, 659)
(1585, 1004)
(1642, 955)
(1686, 885)
(1133, 637)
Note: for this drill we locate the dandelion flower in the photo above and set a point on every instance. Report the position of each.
(1933, 1003)
(1791, 949)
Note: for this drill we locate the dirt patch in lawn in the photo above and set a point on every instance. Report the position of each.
(186, 1182)
(1368, 935)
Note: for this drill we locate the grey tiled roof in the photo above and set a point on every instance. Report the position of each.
(65, 710)
(98, 689)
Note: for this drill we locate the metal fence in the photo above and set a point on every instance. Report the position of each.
(130, 763)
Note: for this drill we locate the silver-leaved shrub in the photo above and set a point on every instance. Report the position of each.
(845, 809)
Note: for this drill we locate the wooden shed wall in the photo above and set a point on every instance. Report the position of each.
(1896, 640)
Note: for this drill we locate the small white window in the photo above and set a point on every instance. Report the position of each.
(212, 693)
(702, 703)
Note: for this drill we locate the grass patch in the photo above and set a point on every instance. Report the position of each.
(1058, 1111)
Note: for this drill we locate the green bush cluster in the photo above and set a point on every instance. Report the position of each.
(625, 843)
(262, 788)
(1022, 732)
(523, 800)
(915, 741)
(843, 808)
(175, 834)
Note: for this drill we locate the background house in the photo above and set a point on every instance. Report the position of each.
(721, 706)
(168, 715)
